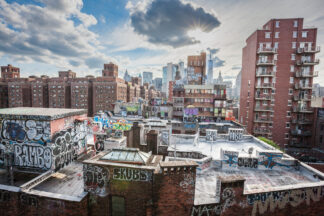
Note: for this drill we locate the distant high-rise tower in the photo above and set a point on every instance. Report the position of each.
(210, 76)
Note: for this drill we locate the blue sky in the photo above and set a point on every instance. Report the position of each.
(45, 36)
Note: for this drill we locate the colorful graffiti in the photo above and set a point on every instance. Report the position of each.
(190, 112)
(95, 179)
(280, 199)
(106, 123)
(128, 174)
(270, 160)
(230, 158)
(29, 130)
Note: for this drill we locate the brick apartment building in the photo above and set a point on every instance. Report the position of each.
(277, 76)
(110, 70)
(196, 69)
(201, 101)
(66, 91)
(10, 72)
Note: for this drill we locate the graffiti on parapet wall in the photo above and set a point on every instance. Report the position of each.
(188, 183)
(248, 162)
(270, 160)
(96, 179)
(271, 201)
(32, 155)
(230, 158)
(228, 200)
(27, 199)
(235, 134)
(128, 174)
(26, 130)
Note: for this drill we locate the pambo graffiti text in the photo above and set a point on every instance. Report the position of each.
(95, 179)
(279, 199)
(132, 174)
(227, 201)
(29, 130)
(33, 155)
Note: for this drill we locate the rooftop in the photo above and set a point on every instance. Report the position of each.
(264, 168)
(40, 113)
(127, 155)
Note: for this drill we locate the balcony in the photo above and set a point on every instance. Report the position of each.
(308, 74)
(265, 74)
(302, 110)
(307, 62)
(309, 50)
(263, 109)
(304, 98)
(263, 120)
(295, 132)
(264, 50)
(264, 97)
(262, 131)
(301, 121)
(266, 63)
(298, 144)
(265, 85)
(302, 86)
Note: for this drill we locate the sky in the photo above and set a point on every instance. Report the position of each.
(47, 36)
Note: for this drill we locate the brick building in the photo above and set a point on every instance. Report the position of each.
(9, 71)
(196, 69)
(67, 91)
(277, 76)
(67, 74)
(110, 70)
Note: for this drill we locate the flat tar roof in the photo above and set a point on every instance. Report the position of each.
(40, 113)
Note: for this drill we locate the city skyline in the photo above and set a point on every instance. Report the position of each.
(42, 37)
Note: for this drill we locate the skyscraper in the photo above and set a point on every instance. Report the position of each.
(147, 77)
(210, 76)
(277, 76)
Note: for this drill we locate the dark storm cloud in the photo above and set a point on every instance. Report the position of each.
(168, 21)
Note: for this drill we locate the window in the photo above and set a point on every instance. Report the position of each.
(267, 34)
(322, 127)
(277, 34)
(287, 125)
(286, 136)
(289, 102)
(292, 68)
(301, 44)
(275, 57)
(276, 45)
(293, 56)
(277, 24)
(294, 34)
(265, 91)
(117, 206)
(249, 82)
(268, 45)
(293, 45)
(290, 91)
(274, 80)
(304, 34)
(295, 23)
(292, 80)
(288, 113)
(275, 68)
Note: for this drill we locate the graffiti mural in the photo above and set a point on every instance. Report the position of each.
(230, 158)
(29, 130)
(4, 196)
(235, 134)
(27, 199)
(165, 137)
(188, 183)
(106, 123)
(128, 174)
(280, 199)
(32, 155)
(227, 200)
(270, 160)
(211, 135)
(95, 179)
(248, 162)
